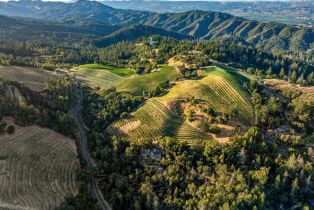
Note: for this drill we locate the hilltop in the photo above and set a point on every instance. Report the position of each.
(189, 106)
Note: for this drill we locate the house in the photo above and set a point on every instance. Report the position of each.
(61, 71)
(154, 154)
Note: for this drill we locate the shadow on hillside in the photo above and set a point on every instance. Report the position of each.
(171, 124)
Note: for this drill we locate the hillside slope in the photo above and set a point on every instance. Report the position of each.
(102, 34)
(33, 78)
(155, 120)
(38, 169)
(166, 116)
(220, 90)
(134, 32)
(274, 37)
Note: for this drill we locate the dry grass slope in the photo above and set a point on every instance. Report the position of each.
(98, 78)
(38, 169)
(31, 77)
(103, 76)
(286, 89)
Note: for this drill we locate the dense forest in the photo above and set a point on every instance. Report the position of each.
(251, 172)
(49, 108)
(65, 49)
(253, 60)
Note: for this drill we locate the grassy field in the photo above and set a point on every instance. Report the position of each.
(123, 72)
(155, 120)
(220, 89)
(148, 82)
(31, 77)
(239, 71)
(38, 169)
(102, 75)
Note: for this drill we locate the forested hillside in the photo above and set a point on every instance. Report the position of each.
(134, 32)
(274, 37)
(289, 12)
(73, 42)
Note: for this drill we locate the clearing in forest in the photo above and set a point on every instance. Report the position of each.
(162, 116)
(33, 78)
(103, 76)
(38, 169)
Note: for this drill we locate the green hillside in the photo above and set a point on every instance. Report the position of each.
(148, 82)
(220, 90)
(120, 71)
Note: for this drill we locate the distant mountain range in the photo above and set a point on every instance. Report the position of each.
(98, 18)
(99, 33)
(288, 12)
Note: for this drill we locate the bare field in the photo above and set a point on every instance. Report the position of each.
(38, 169)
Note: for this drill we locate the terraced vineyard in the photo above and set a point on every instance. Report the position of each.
(103, 76)
(148, 82)
(31, 77)
(38, 169)
(155, 120)
(220, 89)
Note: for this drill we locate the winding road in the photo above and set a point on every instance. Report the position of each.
(90, 163)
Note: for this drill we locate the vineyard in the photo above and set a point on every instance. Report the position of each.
(220, 89)
(38, 169)
(155, 120)
(120, 71)
(98, 77)
(31, 77)
(148, 82)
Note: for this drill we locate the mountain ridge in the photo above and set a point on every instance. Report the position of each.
(273, 37)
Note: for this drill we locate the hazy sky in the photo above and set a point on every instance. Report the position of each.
(181, 0)
(177, 0)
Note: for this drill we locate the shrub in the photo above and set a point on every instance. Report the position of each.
(11, 129)
(203, 126)
(2, 126)
(214, 129)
